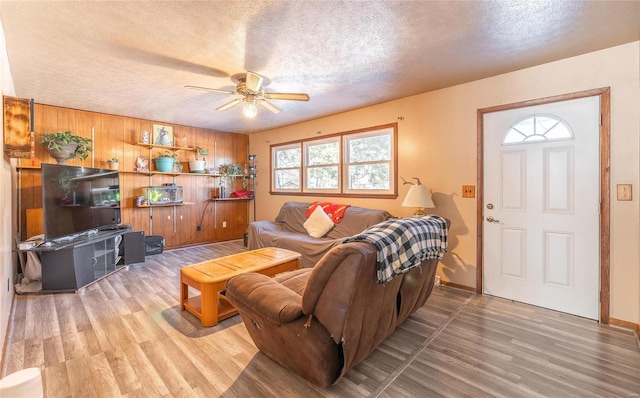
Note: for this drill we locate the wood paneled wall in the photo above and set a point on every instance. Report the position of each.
(116, 136)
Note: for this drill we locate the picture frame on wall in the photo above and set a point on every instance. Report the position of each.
(18, 127)
(162, 135)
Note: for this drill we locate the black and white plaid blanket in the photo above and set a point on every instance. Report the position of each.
(404, 243)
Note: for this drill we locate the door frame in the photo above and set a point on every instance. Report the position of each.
(605, 181)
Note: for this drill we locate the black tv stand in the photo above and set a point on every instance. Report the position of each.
(68, 265)
(115, 227)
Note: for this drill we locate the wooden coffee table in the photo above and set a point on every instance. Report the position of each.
(210, 278)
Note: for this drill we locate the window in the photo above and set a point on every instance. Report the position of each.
(286, 168)
(322, 160)
(355, 163)
(368, 161)
(538, 128)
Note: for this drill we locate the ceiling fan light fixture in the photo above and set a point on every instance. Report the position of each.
(250, 90)
(250, 110)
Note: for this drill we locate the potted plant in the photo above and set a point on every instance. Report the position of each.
(114, 163)
(63, 145)
(165, 160)
(229, 172)
(197, 165)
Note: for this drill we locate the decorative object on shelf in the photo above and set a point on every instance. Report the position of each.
(145, 137)
(63, 145)
(114, 163)
(162, 135)
(184, 140)
(241, 194)
(418, 196)
(164, 195)
(229, 173)
(142, 163)
(177, 167)
(154, 195)
(198, 165)
(165, 161)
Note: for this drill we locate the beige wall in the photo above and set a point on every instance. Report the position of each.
(7, 223)
(437, 143)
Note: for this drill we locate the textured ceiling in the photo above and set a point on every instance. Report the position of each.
(134, 58)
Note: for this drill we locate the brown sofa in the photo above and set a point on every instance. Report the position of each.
(287, 230)
(320, 322)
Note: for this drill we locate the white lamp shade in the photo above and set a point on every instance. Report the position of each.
(418, 196)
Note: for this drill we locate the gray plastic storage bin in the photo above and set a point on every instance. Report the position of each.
(153, 244)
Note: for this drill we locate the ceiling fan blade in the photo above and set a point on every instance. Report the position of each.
(210, 89)
(268, 105)
(253, 82)
(287, 96)
(229, 104)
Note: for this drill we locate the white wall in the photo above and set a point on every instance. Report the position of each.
(437, 143)
(7, 201)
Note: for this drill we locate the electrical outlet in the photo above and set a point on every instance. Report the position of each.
(224, 224)
(436, 282)
(199, 228)
(468, 191)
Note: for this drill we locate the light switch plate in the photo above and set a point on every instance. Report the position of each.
(624, 191)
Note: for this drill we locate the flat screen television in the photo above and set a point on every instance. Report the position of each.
(76, 200)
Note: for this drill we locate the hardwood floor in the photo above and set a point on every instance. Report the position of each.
(125, 336)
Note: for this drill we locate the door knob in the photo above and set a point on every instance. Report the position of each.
(491, 219)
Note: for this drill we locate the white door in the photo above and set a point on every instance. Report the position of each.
(541, 205)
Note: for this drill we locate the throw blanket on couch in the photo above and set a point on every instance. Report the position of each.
(333, 210)
(404, 243)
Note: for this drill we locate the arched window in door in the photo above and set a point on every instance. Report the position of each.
(535, 128)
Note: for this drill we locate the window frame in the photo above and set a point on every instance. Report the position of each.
(306, 166)
(285, 147)
(342, 190)
(526, 138)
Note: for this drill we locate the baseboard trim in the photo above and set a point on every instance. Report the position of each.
(627, 325)
(457, 286)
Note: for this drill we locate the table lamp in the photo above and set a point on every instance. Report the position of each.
(418, 196)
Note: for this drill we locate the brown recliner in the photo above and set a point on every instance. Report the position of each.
(320, 322)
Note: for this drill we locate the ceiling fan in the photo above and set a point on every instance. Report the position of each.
(250, 91)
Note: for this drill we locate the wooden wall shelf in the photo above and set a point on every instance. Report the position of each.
(154, 172)
(167, 147)
(230, 199)
(164, 205)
